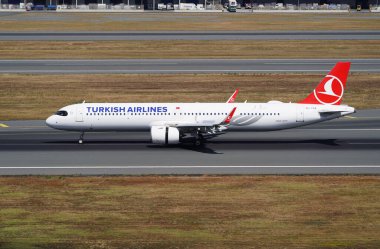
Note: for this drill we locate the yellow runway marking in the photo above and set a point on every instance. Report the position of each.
(4, 126)
(350, 117)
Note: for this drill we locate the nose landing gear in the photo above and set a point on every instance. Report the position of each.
(81, 137)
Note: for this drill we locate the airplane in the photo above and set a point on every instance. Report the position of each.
(175, 123)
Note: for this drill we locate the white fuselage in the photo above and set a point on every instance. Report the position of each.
(142, 116)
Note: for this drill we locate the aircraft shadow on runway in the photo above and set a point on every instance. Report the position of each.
(201, 149)
(333, 142)
(211, 147)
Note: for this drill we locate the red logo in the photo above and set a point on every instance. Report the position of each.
(330, 91)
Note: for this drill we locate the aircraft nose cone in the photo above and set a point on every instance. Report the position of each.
(50, 122)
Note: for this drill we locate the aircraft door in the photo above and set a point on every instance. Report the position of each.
(300, 114)
(79, 114)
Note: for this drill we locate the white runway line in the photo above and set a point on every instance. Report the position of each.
(183, 167)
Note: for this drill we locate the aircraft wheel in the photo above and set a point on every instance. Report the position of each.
(198, 143)
(81, 138)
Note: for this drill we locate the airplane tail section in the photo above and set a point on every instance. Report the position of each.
(330, 90)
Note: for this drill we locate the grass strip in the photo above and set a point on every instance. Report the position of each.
(196, 212)
(187, 21)
(189, 49)
(37, 96)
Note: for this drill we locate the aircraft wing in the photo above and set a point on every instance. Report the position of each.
(208, 129)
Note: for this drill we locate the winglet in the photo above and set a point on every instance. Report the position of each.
(229, 117)
(233, 96)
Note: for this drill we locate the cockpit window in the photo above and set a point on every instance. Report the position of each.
(61, 113)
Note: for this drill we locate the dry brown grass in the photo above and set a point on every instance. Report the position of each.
(188, 49)
(37, 96)
(186, 21)
(190, 212)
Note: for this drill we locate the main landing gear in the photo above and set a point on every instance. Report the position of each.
(81, 137)
(199, 140)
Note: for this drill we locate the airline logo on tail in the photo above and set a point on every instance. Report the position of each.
(330, 90)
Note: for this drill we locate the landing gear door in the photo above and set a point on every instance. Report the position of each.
(300, 114)
(79, 114)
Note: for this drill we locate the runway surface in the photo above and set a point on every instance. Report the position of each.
(167, 66)
(190, 35)
(348, 145)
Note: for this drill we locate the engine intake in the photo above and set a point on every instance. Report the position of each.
(164, 135)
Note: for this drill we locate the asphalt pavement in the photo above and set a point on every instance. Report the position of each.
(348, 145)
(168, 66)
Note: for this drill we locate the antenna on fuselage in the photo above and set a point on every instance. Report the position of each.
(84, 101)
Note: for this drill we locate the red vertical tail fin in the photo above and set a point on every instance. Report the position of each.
(330, 90)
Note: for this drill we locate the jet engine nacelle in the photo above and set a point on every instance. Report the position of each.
(164, 135)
